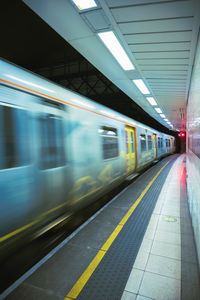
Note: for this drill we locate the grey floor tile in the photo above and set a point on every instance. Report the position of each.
(139, 297)
(160, 287)
(128, 296)
(141, 260)
(134, 281)
(164, 266)
(166, 250)
(169, 237)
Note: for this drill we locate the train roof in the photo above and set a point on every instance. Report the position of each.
(18, 77)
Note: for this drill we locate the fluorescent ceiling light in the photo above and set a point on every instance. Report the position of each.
(85, 4)
(158, 110)
(112, 43)
(141, 86)
(162, 115)
(152, 101)
(166, 120)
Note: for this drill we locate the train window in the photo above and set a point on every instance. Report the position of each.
(143, 142)
(159, 145)
(110, 145)
(52, 142)
(14, 137)
(149, 140)
(9, 139)
(161, 142)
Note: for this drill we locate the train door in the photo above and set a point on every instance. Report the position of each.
(55, 171)
(154, 145)
(130, 149)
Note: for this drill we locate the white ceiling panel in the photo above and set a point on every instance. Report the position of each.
(161, 47)
(163, 62)
(164, 67)
(176, 24)
(185, 54)
(155, 10)
(119, 3)
(165, 74)
(159, 36)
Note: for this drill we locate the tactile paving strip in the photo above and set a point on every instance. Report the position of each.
(109, 279)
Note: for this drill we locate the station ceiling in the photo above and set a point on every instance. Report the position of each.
(28, 41)
(159, 37)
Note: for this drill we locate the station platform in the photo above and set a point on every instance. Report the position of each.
(138, 246)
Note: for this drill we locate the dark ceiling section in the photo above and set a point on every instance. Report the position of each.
(29, 42)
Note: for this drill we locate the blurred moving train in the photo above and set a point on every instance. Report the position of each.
(59, 151)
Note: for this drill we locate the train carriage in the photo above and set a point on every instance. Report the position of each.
(59, 151)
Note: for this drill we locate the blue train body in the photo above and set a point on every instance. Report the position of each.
(59, 151)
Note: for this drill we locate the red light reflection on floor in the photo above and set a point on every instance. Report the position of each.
(182, 175)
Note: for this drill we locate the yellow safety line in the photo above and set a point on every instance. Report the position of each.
(81, 282)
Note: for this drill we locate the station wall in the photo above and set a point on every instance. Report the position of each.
(193, 149)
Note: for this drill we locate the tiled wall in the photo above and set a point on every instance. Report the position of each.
(193, 149)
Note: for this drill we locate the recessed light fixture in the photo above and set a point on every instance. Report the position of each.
(158, 110)
(85, 4)
(141, 86)
(166, 120)
(162, 116)
(152, 101)
(111, 42)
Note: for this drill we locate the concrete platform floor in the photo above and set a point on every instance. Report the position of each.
(165, 267)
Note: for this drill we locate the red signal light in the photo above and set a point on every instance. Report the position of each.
(182, 134)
